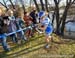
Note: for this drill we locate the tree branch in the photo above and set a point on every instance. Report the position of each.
(4, 5)
(12, 4)
(69, 3)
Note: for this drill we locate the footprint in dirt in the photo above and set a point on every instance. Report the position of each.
(51, 48)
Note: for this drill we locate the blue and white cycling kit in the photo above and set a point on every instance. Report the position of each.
(46, 22)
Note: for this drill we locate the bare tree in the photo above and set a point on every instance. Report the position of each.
(57, 15)
(4, 4)
(22, 2)
(63, 19)
(36, 5)
(53, 17)
(60, 22)
(30, 2)
(12, 4)
(42, 5)
(46, 5)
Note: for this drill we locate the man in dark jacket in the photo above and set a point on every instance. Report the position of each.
(33, 15)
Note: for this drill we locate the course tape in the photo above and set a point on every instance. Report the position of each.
(5, 34)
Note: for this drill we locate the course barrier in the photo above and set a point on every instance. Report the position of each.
(6, 35)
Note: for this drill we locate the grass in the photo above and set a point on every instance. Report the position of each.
(34, 48)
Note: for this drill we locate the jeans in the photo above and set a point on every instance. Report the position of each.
(4, 43)
(22, 35)
(14, 38)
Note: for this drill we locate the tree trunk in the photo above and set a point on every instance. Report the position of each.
(62, 27)
(57, 17)
(57, 20)
(30, 3)
(22, 2)
(46, 5)
(53, 17)
(64, 19)
(36, 5)
(42, 5)
(69, 3)
(60, 23)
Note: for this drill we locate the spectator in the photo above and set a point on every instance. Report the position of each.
(2, 37)
(33, 15)
(28, 22)
(27, 19)
(20, 25)
(12, 26)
